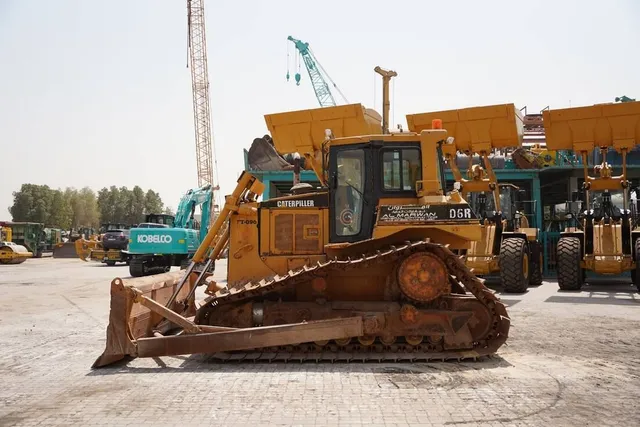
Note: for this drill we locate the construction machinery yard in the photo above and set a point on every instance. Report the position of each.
(378, 262)
(480, 267)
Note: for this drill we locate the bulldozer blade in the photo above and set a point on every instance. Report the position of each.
(65, 250)
(131, 319)
(249, 338)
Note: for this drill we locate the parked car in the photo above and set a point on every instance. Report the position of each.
(116, 239)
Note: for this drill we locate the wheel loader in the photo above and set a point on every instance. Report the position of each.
(509, 246)
(361, 268)
(605, 240)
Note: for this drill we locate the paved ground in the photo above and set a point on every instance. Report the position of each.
(572, 360)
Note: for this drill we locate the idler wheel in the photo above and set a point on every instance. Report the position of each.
(366, 341)
(423, 277)
(414, 339)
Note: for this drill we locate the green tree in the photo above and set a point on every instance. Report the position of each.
(89, 204)
(61, 212)
(32, 203)
(104, 207)
(152, 202)
(137, 205)
(121, 204)
(84, 206)
(74, 208)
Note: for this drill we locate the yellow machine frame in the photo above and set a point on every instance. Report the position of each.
(480, 130)
(603, 245)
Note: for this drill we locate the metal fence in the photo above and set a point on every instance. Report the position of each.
(549, 243)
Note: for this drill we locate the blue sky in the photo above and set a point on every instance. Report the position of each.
(96, 93)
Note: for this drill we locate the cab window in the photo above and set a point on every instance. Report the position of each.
(401, 169)
(349, 192)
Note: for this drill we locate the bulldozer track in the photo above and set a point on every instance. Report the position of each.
(426, 351)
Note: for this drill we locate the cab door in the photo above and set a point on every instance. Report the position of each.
(351, 192)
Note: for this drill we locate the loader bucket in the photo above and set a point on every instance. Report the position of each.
(10, 253)
(129, 320)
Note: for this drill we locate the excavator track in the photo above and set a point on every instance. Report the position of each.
(402, 351)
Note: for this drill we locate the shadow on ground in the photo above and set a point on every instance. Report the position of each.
(204, 363)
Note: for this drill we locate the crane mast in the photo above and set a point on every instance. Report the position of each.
(197, 52)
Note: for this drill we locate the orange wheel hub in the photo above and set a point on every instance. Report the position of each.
(423, 277)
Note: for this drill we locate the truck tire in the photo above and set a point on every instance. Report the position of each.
(568, 260)
(137, 268)
(110, 263)
(536, 271)
(514, 265)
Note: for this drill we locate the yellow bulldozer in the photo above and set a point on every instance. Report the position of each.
(509, 246)
(79, 243)
(361, 268)
(605, 239)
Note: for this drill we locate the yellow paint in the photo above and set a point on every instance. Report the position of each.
(607, 255)
(476, 129)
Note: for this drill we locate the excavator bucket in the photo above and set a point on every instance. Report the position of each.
(10, 253)
(263, 156)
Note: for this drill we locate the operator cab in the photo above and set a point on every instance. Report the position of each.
(152, 225)
(162, 219)
(603, 205)
(485, 207)
(361, 173)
